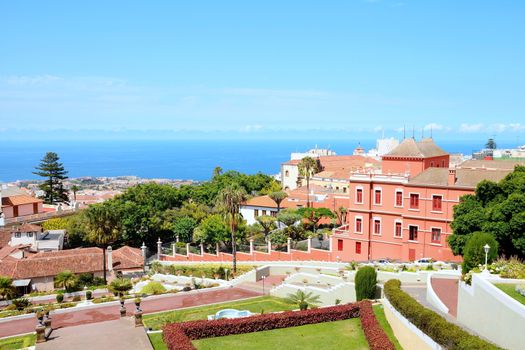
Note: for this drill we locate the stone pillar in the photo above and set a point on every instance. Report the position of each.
(109, 253)
(202, 249)
(217, 248)
(269, 246)
(159, 248)
(174, 249)
(251, 246)
(289, 245)
(122, 308)
(309, 244)
(47, 320)
(187, 249)
(40, 333)
(177, 239)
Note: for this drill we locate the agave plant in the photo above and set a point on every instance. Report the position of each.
(303, 299)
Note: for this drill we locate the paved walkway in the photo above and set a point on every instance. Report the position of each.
(115, 335)
(447, 290)
(111, 312)
(269, 283)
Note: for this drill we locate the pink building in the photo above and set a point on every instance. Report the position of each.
(18, 203)
(403, 212)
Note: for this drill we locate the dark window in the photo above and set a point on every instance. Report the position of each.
(436, 235)
(399, 229)
(414, 201)
(359, 195)
(35, 208)
(358, 247)
(377, 197)
(412, 230)
(264, 212)
(339, 244)
(358, 225)
(377, 227)
(436, 203)
(256, 212)
(399, 198)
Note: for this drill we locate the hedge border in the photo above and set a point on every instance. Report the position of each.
(178, 336)
(447, 334)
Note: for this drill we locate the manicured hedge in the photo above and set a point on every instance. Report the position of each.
(178, 336)
(447, 334)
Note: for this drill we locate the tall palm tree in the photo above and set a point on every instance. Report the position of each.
(7, 290)
(229, 200)
(308, 166)
(103, 227)
(67, 280)
(75, 189)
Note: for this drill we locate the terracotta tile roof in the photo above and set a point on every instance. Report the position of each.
(27, 228)
(426, 148)
(5, 237)
(77, 260)
(490, 164)
(261, 201)
(19, 200)
(342, 162)
(464, 177)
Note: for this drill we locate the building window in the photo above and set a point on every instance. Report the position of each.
(273, 213)
(30, 234)
(358, 247)
(442, 163)
(431, 164)
(436, 203)
(344, 189)
(339, 244)
(412, 230)
(359, 196)
(256, 212)
(377, 197)
(399, 199)
(18, 235)
(264, 212)
(399, 230)
(414, 201)
(377, 226)
(358, 225)
(286, 173)
(436, 235)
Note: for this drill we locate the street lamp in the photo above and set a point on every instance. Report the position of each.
(263, 278)
(486, 248)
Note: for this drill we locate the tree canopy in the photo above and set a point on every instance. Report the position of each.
(54, 174)
(497, 209)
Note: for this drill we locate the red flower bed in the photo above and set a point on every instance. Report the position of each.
(375, 335)
(178, 336)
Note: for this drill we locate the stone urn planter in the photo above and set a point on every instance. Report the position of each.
(122, 308)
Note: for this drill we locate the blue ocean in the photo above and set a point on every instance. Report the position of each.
(174, 159)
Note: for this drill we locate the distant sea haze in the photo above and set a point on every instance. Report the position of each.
(193, 159)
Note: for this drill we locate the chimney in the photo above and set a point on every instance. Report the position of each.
(109, 253)
(452, 177)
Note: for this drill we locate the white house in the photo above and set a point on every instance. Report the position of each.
(32, 235)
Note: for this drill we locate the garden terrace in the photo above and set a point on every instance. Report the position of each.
(179, 335)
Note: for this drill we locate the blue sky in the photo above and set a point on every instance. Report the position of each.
(261, 69)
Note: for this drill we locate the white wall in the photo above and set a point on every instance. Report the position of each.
(487, 310)
(290, 181)
(248, 213)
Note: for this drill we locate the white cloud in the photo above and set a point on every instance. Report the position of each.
(433, 126)
(516, 127)
(464, 127)
(251, 128)
(378, 128)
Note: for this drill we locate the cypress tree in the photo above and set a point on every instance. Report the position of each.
(54, 173)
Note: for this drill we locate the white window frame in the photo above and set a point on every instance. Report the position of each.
(397, 221)
(362, 195)
(418, 201)
(374, 219)
(380, 189)
(355, 224)
(399, 190)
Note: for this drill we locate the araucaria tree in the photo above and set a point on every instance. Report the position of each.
(103, 227)
(308, 166)
(54, 173)
(229, 201)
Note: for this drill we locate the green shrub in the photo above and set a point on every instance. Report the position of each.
(153, 288)
(21, 303)
(365, 283)
(89, 295)
(474, 254)
(60, 298)
(120, 286)
(448, 335)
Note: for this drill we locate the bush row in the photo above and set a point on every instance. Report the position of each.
(198, 270)
(179, 335)
(447, 334)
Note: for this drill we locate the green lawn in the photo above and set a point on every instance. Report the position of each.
(345, 334)
(157, 342)
(18, 342)
(256, 305)
(510, 289)
(381, 318)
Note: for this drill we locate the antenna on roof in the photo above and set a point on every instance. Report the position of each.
(404, 131)
(430, 131)
(413, 131)
(422, 133)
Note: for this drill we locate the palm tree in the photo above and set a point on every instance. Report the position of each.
(75, 189)
(120, 286)
(103, 227)
(7, 290)
(303, 299)
(230, 199)
(341, 213)
(308, 166)
(67, 280)
(217, 171)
